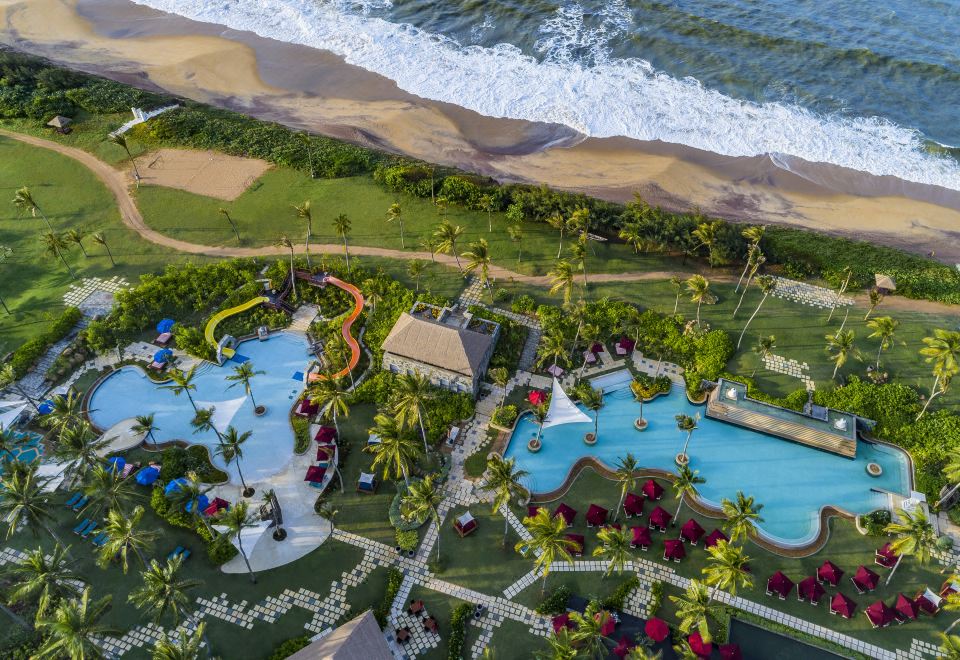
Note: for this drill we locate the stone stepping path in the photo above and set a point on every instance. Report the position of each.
(809, 294)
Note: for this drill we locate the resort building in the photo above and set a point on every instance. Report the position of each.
(358, 639)
(451, 348)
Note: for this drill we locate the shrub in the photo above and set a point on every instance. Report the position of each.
(616, 600)
(198, 461)
(396, 518)
(645, 386)
(190, 339)
(394, 580)
(220, 551)
(407, 539)
(505, 416)
(173, 463)
(289, 647)
(556, 602)
(656, 597)
(301, 433)
(875, 522)
(458, 630)
(523, 304)
(31, 351)
(476, 463)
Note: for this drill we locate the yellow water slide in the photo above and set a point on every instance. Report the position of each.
(219, 316)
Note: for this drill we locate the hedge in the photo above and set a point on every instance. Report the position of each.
(458, 630)
(27, 355)
(394, 580)
(616, 600)
(289, 647)
(556, 602)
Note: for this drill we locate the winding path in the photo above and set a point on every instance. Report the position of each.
(119, 185)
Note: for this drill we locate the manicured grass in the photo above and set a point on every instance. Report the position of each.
(512, 639)
(440, 606)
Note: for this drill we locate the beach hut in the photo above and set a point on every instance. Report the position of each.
(842, 605)
(566, 513)
(148, 475)
(656, 629)
(865, 580)
(306, 408)
(880, 614)
(652, 490)
(780, 585)
(928, 602)
(640, 538)
(465, 524)
(810, 590)
(691, 532)
(315, 474)
(659, 518)
(829, 573)
(907, 608)
(366, 483)
(632, 505)
(536, 397)
(714, 538)
(60, 124)
(673, 550)
(562, 621)
(697, 645)
(578, 543)
(730, 652)
(596, 515)
(325, 434)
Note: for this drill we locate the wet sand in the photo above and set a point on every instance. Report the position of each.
(315, 90)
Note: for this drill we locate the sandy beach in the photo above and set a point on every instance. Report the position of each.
(315, 90)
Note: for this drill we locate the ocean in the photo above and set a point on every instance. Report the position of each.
(870, 86)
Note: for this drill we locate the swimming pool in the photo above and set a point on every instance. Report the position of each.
(283, 357)
(27, 449)
(792, 481)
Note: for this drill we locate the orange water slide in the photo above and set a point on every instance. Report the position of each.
(345, 330)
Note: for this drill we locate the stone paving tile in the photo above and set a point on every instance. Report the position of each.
(809, 294)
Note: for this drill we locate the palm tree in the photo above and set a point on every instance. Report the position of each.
(231, 449)
(500, 377)
(187, 495)
(415, 268)
(592, 400)
(765, 346)
(120, 140)
(686, 424)
(727, 568)
(949, 646)
(5, 253)
(515, 232)
(486, 204)
(943, 351)
(625, 475)
(411, 394)
(884, 327)
(332, 397)
(304, 213)
(235, 519)
(633, 234)
(548, 542)
(42, 579)
(55, 244)
(432, 245)
(124, 535)
(915, 536)
(421, 501)
(588, 630)
(615, 548)
(202, 422)
(840, 346)
(341, 227)
(539, 414)
(503, 480)
(108, 490)
(685, 485)
(447, 236)
(699, 289)
(561, 279)
(163, 594)
(578, 251)
(395, 452)
(840, 292)
(76, 235)
(754, 261)
(395, 213)
(25, 203)
(641, 652)
(327, 510)
(767, 286)
(285, 242)
(242, 375)
(66, 412)
(560, 647)
(146, 426)
(693, 610)
(742, 516)
(875, 299)
(80, 447)
(73, 629)
(100, 239)
(708, 235)
(182, 383)
(558, 222)
(233, 225)
(478, 259)
(185, 646)
(441, 203)
(553, 346)
(753, 234)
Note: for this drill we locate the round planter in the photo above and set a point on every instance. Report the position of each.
(398, 550)
(248, 492)
(259, 411)
(874, 469)
(534, 445)
(681, 459)
(411, 553)
(640, 424)
(590, 439)
(279, 534)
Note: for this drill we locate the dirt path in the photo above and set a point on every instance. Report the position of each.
(118, 184)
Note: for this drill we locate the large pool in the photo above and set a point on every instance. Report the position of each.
(792, 481)
(283, 358)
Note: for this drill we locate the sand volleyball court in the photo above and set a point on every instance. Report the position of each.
(201, 172)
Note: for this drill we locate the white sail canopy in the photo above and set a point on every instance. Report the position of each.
(562, 410)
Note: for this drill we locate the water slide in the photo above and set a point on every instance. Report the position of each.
(219, 316)
(345, 330)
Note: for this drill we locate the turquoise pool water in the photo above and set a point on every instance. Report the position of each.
(128, 392)
(792, 481)
(28, 449)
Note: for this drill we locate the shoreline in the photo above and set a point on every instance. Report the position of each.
(243, 72)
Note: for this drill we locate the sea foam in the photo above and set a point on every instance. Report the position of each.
(610, 97)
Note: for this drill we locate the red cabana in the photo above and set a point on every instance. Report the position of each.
(326, 434)
(948, 588)
(577, 549)
(865, 580)
(714, 538)
(780, 585)
(927, 601)
(691, 532)
(626, 344)
(566, 513)
(536, 397)
(315, 474)
(216, 506)
(532, 510)
(608, 625)
(633, 505)
(596, 515)
(809, 589)
(673, 549)
(562, 621)
(885, 556)
(842, 605)
(730, 652)
(640, 538)
(880, 614)
(652, 490)
(306, 408)
(659, 519)
(829, 573)
(597, 347)
(697, 645)
(656, 629)
(324, 452)
(906, 608)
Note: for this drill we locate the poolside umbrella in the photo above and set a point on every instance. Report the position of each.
(216, 506)
(880, 614)
(306, 408)
(46, 407)
(597, 347)
(779, 584)
(324, 452)
(623, 647)
(673, 549)
(656, 629)
(165, 325)
(885, 556)
(652, 490)
(730, 652)
(633, 505)
(562, 621)
(640, 536)
(116, 464)
(173, 486)
(829, 573)
(714, 538)
(162, 355)
(865, 579)
(660, 518)
(566, 512)
(698, 646)
(609, 623)
(843, 606)
(809, 589)
(148, 475)
(596, 515)
(578, 543)
(626, 343)
(691, 531)
(906, 607)
(325, 434)
(536, 397)
(315, 474)
(202, 502)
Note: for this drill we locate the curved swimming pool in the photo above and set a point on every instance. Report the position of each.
(792, 481)
(128, 392)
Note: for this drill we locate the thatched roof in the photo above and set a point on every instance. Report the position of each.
(60, 122)
(439, 345)
(358, 639)
(885, 282)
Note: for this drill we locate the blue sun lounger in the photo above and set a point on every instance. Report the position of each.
(99, 540)
(81, 503)
(92, 526)
(175, 552)
(185, 555)
(73, 500)
(82, 526)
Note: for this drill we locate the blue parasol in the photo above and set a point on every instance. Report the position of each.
(116, 463)
(203, 501)
(46, 407)
(162, 355)
(173, 486)
(147, 475)
(165, 325)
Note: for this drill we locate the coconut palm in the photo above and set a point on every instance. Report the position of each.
(578, 252)
(415, 268)
(395, 452)
(164, 595)
(875, 299)
(503, 478)
(767, 286)
(182, 383)
(478, 260)
(331, 395)
(764, 347)
(202, 422)
(441, 203)
(943, 351)
(185, 646)
(742, 516)
(625, 475)
(285, 242)
(558, 222)
(694, 609)
(55, 245)
(561, 279)
(753, 234)
(548, 542)
(447, 236)
(592, 400)
(341, 227)
(187, 497)
(124, 535)
(486, 205)
(633, 234)
(500, 377)
(708, 236)
(231, 450)
(120, 140)
(683, 651)
(395, 214)
(242, 375)
(232, 521)
(685, 485)
(233, 225)
(840, 292)
(422, 501)
(23, 502)
(108, 490)
(80, 448)
(100, 239)
(515, 233)
(42, 579)
(76, 236)
(432, 245)
(145, 425)
(840, 346)
(539, 414)
(686, 424)
(884, 328)
(754, 261)
(73, 629)
(614, 547)
(949, 646)
(25, 203)
(66, 412)
(553, 346)
(327, 510)
(727, 568)
(588, 630)
(559, 646)
(411, 394)
(915, 536)
(641, 652)
(304, 213)
(699, 289)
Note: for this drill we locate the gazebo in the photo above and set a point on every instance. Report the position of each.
(880, 614)
(659, 518)
(865, 580)
(652, 490)
(61, 124)
(714, 538)
(640, 538)
(673, 550)
(829, 573)
(691, 532)
(842, 605)
(780, 585)
(465, 524)
(596, 515)
(632, 505)
(906, 608)
(810, 590)
(566, 513)
(578, 542)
